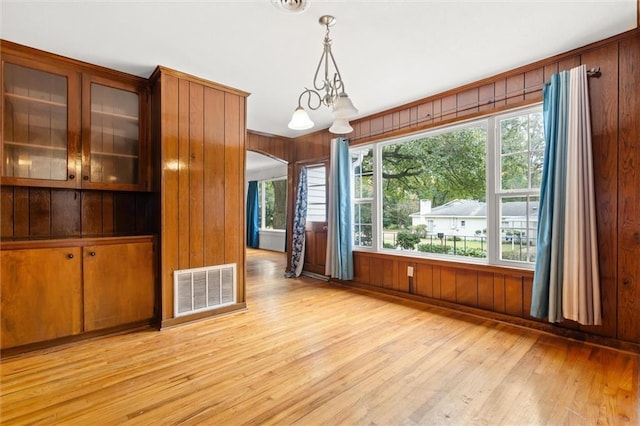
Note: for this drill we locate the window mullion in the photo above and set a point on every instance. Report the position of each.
(493, 176)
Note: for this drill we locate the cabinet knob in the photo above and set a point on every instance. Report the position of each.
(70, 256)
(72, 176)
(92, 253)
(85, 177)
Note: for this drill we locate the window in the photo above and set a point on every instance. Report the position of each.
(273, 204)
(362, 190)
(521, 147)
(316, 194)
(468, 191)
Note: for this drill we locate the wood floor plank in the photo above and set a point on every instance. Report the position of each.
(308, 352)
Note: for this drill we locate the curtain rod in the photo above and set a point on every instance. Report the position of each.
(591, 72)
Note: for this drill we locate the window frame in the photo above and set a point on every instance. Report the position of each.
(494, 193)
(262, 202)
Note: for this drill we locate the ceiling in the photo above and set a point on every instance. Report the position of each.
(389, 52)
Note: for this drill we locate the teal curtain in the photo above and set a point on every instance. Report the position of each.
(339, 262)
(299, 223)
(253, 212)
(566, 279)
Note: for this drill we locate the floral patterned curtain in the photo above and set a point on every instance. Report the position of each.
(299, 223)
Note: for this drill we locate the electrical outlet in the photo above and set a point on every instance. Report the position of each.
(410, 271)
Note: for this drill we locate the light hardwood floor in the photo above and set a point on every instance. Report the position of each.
(306, 352)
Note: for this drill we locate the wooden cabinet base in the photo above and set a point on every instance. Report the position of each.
(56, 290)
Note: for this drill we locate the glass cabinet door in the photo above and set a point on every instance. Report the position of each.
(114, 145)
(35, 141)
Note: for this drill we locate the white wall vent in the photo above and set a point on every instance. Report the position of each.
(203, 289)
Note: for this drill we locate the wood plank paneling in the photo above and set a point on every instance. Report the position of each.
(108, 216)
(604, 124)
(201, 150)
(500, 92)
(377, 126)
(361, 269)
(527, 290)
(448, 284)
(214, 155)
(124, 212)
(184, 159)
(467, 287)
(170, 204)
(402, 278)
(387, 123)
(65, 213)
(437, 281)
(499, 293)
(389, 273)
(485, 290)
(629, 194)
(467, 102)
(568, 63)
(424, 280)
(377, 267)
(275, 146)
(486, 97)
(39, 212)
(6, 212)
(196, 176)
(515, 89)
(91, 212)
(234, 181)
(424, 112)
(533, 81)
(449, 107)
(513, 295)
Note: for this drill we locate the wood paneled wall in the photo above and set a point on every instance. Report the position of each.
(497, 289)
(271, 145)
(615, 108)
(199, 133)
(47, 213)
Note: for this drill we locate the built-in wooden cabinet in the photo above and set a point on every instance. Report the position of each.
(59, 288)
(40, 126)
(118, 284)
(75, 163)
(41, 294)
(66, 125)
(114, 151)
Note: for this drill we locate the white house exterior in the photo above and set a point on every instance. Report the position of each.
(469, 217)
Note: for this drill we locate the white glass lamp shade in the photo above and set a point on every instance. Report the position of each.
(340, 126)
(343, 107)
(300, 120)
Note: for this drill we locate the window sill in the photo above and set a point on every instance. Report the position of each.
(471, 263)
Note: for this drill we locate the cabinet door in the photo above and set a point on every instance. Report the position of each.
(114, 135)
(41, 295)
(40, 136)
(118, 284)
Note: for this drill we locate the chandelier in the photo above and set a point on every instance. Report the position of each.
(328, 90)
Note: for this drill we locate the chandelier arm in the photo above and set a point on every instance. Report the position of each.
(323, 58)
(309, 93)
(338, 83)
